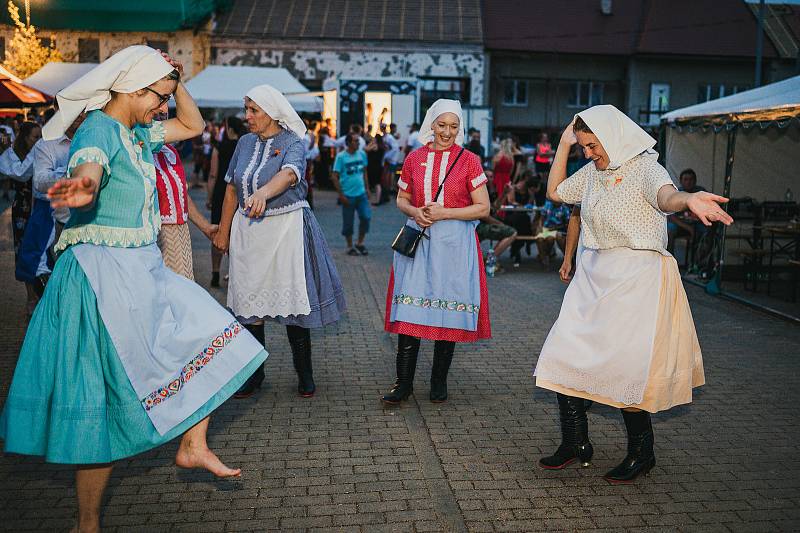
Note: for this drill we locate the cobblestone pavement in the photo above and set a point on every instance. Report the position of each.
(341, 462)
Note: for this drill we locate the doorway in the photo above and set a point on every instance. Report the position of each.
(377, 111)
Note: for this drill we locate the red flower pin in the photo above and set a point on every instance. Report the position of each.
(277, 152)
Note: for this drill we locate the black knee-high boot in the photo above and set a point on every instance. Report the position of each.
(253, 382)
(575, 443)
(407, 351)
(442, 357)
(641, 457)
(300, 341)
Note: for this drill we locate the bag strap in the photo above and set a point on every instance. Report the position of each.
(441, 185)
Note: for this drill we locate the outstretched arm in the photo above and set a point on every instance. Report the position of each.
(78, 191)
(222, 237)
(202, 223)
(703, 204)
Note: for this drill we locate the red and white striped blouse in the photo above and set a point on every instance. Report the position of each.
(171, 185)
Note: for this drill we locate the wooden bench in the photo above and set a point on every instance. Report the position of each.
(753, 262)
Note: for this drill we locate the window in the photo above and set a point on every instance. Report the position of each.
(515, 93)
(431, 89)
(158, 45)
(585, 94)
(659, 103)
(712, 91)
(89, 50)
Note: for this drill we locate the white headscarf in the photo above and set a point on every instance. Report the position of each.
(127, 71)
(621, 137)
(438, 108)
(274, 104)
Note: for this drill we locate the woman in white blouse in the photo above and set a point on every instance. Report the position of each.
(17, 163)
(625, 335)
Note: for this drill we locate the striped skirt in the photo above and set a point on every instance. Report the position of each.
(175, 243)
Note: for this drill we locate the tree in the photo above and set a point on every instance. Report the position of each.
(25, 53)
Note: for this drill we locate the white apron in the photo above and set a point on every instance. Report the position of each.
(178, 346)
(267, 269)
(602, 342)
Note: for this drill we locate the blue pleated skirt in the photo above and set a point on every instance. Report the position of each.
(71, 400)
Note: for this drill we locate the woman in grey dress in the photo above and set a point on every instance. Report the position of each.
(280, 264)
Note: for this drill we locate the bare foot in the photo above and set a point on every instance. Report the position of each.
(204, 458)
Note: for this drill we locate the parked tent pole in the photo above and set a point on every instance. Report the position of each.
(713, 286)
(760, 41)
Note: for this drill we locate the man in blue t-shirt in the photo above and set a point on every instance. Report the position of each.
(350, 180)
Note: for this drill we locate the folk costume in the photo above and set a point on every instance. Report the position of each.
(625, 335)
(440, 294)
(280, 264)
(121, 354)
(174, 239)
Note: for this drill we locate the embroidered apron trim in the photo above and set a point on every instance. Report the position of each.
(196, 364)
(435, 303)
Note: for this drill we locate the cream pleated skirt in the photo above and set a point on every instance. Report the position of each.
(625, 335)
(175, 243)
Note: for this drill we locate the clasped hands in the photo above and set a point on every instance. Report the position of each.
(428, 214)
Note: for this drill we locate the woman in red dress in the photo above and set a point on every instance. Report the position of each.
(503, 165)
(439, 294)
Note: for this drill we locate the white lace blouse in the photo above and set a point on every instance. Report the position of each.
(619, 208)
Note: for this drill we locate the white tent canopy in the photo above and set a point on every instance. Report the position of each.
(53, 77)
(216, 86)
(219, 86)
(775, 97)
(765, 155)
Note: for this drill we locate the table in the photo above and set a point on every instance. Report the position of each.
(519, 209)
(784, 241)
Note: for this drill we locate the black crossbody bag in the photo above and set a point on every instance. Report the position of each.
(408, 238)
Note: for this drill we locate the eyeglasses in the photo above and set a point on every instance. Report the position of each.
(162, 98)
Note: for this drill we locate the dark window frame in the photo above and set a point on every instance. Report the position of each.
(515, 100)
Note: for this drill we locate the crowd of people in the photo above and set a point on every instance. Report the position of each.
(124, 352)
(363, 167)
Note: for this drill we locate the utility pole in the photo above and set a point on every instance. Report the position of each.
(762, 4)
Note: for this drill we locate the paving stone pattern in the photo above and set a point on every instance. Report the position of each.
(342, 462)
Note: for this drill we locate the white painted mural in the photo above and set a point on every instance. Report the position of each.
(322, 65)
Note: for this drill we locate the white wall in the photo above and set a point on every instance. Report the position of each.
(322, 64)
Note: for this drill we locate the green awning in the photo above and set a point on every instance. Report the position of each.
(121, 15)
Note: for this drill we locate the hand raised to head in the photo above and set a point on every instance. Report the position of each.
(568, 136)
(177, 65)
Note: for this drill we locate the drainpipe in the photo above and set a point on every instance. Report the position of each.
(760, 41)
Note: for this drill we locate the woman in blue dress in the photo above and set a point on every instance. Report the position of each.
(280, 265)
(121, 354)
